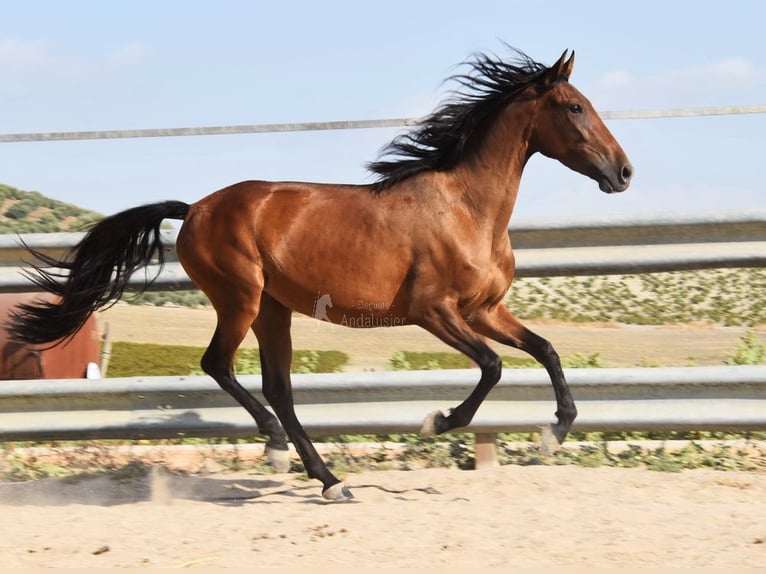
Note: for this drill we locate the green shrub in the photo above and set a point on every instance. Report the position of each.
(17, 211)
(749, 352)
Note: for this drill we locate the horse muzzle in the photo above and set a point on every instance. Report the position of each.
(617, 181)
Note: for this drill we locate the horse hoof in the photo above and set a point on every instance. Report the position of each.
(279, 459)
(548, 441)
(434, 423)
(338, 492)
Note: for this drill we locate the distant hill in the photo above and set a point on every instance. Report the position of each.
(32, 212)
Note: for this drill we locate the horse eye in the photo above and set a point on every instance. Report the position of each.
(575, 108)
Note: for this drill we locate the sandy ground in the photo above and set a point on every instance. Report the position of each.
(370, 349)
(509, 516)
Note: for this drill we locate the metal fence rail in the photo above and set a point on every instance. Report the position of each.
(544, 248)
(678, 398)
(345, 125)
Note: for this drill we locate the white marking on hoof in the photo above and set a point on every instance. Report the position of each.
(548, 441)
(429, 424)
(279, 459)
(337, 493)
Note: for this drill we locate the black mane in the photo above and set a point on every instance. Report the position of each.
(442, 139)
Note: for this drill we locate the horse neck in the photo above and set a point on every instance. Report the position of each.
(490, 178)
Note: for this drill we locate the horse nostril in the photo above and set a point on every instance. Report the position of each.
(626, 173)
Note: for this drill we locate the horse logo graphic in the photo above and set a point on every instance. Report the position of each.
(321, 305)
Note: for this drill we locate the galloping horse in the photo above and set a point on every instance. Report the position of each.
(426, 244)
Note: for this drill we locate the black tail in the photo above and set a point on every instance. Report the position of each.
(94, 274)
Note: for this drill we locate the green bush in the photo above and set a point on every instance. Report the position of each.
(17, 211)
(749, 352)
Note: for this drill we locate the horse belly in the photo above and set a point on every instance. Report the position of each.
(342, 282)
(344, 295)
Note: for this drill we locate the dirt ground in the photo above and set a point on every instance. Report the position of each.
(370, 349)
(508, 516)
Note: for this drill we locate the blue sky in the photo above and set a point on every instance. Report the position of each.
(86, 65)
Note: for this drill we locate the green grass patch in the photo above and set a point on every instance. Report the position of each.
(149, 359)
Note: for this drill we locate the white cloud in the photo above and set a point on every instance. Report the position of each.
(17, 54)
(615, 79)
(23, 64)
(728, 81)
(20, 56)
(32, 67)
(129, 54)
(736, 68)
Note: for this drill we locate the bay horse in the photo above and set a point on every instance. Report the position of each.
(426, 244)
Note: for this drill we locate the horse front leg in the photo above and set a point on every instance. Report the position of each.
(500, 325)
(447, 324)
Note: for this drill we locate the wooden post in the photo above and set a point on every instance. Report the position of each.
(486, 451)
(106, 351)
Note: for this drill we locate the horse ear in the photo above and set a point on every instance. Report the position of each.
(561, 69)
(566, 68)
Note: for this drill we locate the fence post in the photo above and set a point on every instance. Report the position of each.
(486, 451)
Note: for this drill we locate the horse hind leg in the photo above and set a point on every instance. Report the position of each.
(233, 280)
(218, 361)
(272, 328)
